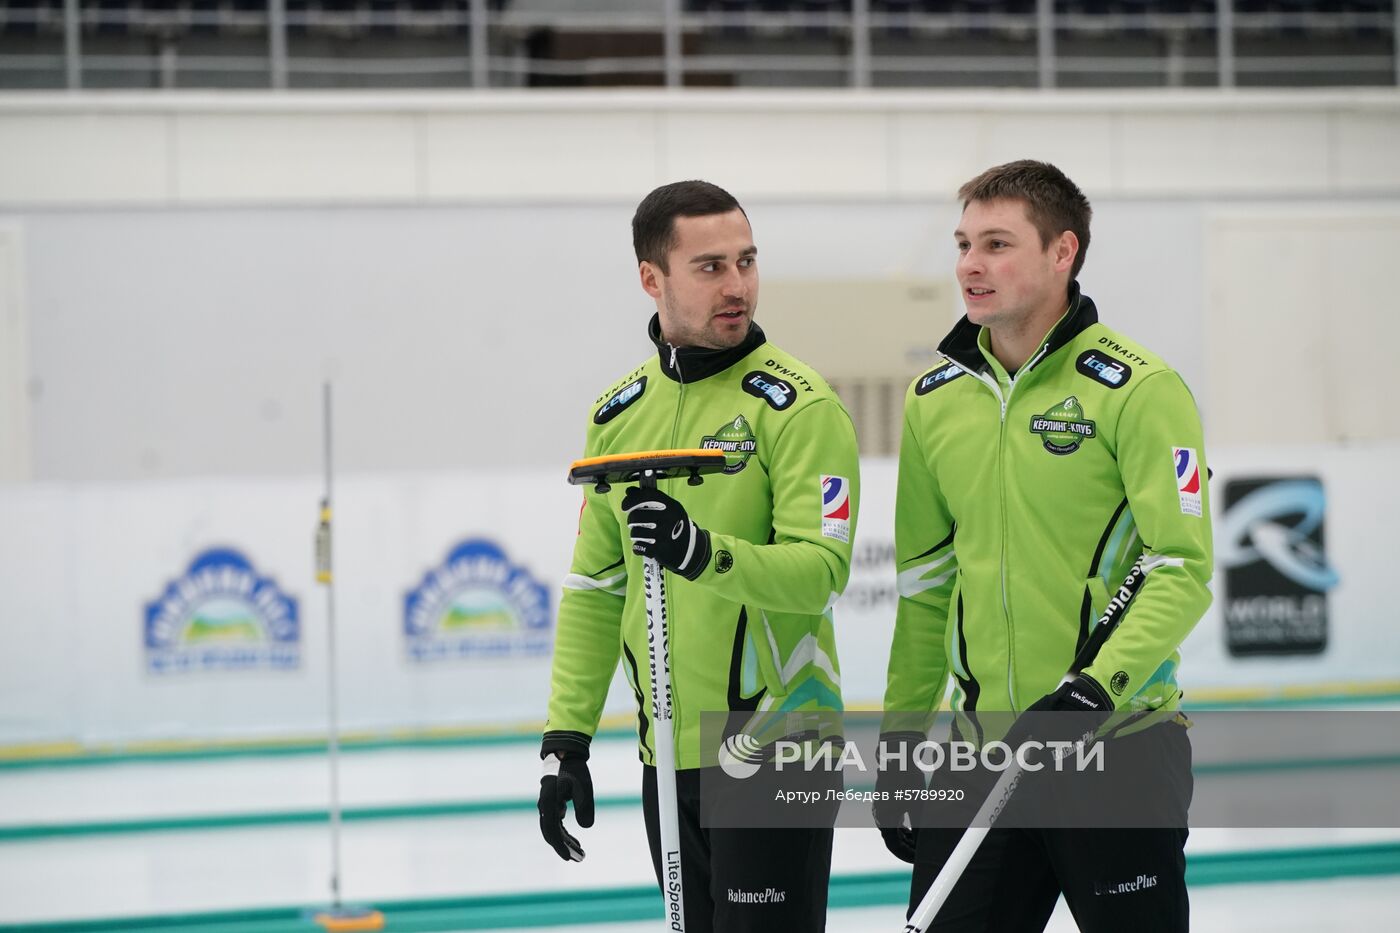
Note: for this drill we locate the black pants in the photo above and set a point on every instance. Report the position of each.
(1113, 880)
(742, 880)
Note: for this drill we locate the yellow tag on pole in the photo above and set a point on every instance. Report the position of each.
(323, 545)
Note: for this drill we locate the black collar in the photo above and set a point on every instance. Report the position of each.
(695, 363)
(960, 345)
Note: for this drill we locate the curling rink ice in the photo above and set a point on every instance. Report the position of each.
(107, 842)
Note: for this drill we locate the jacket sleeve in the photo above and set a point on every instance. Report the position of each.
(1157, 420)
(587, 641)
(806, 565)
(927, 569)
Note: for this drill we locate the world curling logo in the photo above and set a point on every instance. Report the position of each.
(221, 615)
(477, 603)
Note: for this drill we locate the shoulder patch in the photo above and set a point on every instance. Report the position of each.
(619, 385)
(1104, 369)
(792, 376)
(620, 399)
(938, 376)
(778, 393)
(1127, 353)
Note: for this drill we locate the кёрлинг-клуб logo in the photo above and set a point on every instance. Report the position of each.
(221, 615)
(477, 603)
(737, 442)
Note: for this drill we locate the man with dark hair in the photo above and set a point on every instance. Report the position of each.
(755, 560)
(654, 232)
(1039, 461)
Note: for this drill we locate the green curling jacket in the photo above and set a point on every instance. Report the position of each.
(754, 631)
(1022, 503)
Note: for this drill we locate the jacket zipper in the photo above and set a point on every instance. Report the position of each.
(1004, 400)
(1021, 373)
(680, 399)
(1005, 601)
(666, 575)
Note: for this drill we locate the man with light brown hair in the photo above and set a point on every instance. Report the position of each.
(1040, 461)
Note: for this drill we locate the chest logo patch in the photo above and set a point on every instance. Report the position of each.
(1064, 427)
(737, 441)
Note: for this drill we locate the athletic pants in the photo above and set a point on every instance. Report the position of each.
(742, 880)
(1114, 880)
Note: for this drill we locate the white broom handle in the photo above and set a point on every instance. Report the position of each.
(664, 742)
(966, 848)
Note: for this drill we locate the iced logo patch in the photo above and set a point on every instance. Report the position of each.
(1188, 479)
(1101, 368)
(776, 392)
(621, 399)
(836, 508)
(940, 376)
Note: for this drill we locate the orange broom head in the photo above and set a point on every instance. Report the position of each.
(621, 468)
(350, 921)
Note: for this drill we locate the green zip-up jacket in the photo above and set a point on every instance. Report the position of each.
(754, 631)
(1023, 503)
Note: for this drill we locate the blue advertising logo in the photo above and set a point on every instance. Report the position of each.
(1105, 369)
(1280, 522)
(620, 400)
(778, 393)
(220, 615)
(477, 604)
(940, 375)
(1271, 544)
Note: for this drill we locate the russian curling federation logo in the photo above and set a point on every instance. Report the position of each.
(740, 756)
(1188, 480)
(477, 603)
(836, 508)
(220, 615)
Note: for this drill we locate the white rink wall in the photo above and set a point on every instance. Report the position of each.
(352, 148)
(81, 564)
(180, 272)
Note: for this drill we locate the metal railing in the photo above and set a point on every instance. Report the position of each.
(471, 43)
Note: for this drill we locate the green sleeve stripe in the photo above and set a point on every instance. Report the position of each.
(911, 582)
(616, 584)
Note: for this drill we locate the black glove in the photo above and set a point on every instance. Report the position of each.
(660, 528)
(900, 784)
(565, 778)
(1086, 707)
